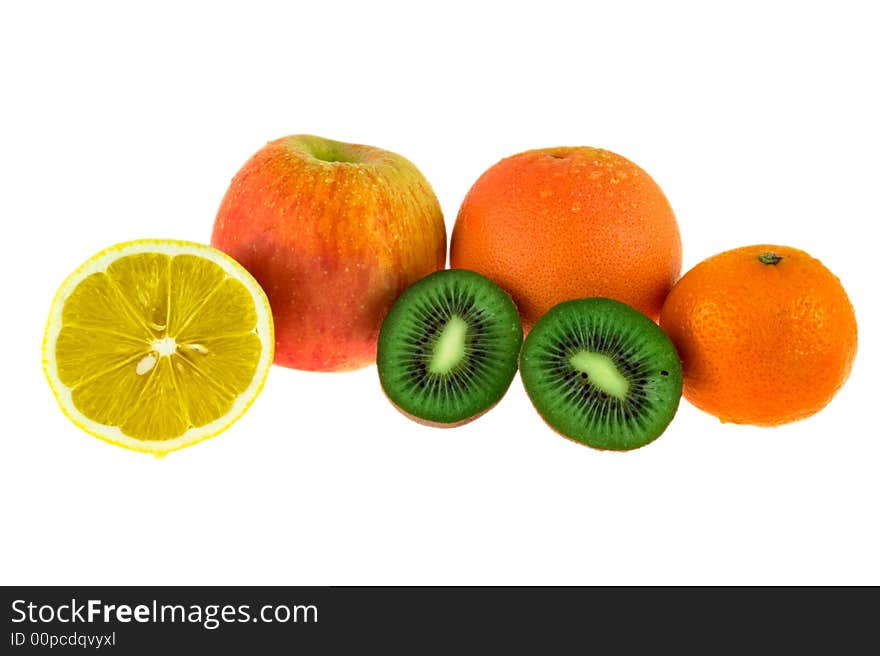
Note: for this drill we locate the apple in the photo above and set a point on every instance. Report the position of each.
(334, 232)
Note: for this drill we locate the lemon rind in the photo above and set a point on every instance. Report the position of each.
(99, 262)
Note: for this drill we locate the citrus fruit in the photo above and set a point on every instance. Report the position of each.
(156, 344)
(766, 334)
(556, 224)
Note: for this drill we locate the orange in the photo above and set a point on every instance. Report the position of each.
(556, 224)
(766, 334)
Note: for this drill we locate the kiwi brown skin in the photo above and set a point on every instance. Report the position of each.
(590, 446)
(437, 424)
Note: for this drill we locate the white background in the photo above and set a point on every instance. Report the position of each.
(759, 121)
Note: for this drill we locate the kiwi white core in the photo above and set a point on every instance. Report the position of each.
(602, 372)
(449, 348)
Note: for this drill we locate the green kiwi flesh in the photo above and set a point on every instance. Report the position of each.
(601, 373)
(448, 348)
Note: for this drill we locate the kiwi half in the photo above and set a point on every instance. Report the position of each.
(448, 347)
(602, 374)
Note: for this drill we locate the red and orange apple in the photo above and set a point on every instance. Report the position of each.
(334, 232)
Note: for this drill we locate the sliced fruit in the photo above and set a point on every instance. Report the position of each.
(155, 345)
(448, 348)
(602, 374)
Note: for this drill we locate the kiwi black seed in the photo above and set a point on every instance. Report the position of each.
(448, 348)
(601, 373)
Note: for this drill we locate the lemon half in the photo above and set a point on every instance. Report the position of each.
(155, 345)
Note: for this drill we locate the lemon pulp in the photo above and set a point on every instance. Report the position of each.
(155, 345)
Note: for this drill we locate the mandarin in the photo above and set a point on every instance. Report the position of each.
(766, 334)
(556, 224)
